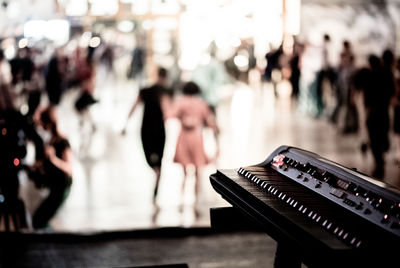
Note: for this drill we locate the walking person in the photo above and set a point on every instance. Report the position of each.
(55, 77)
(326, 73)
(377, 90)
(295, 70)
(6, 96)
(85, 78)
(396, 117)
(154, 99)
(193, 114)
(345, 72)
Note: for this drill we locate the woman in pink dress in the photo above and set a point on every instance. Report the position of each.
(194, 114)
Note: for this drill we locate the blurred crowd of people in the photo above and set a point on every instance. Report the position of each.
(26, 81)
(30, 91)
(329, 91)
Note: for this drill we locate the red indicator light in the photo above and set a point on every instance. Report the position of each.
(16, 161)
(277, 161)
(4, 131)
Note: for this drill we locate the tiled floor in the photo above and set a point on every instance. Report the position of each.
(113, 185)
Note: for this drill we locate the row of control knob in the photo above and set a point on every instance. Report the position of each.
(327, 224)
(344, 188)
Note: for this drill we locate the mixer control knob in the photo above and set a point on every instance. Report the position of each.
(385, 219)
(367, 211)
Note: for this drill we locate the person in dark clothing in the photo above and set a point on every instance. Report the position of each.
(154, 99)
(16, 130)
(6, 96)
(22, 66)
(273, 63)
(138, 63)
(325, 74)
(25, 78)
(343, 94)
(54, 171)
(107, 57)
(388, 79)
(55, 82)
(294, 64)
(272, 58)
(396, 117)
(374, 82)
(86, 76)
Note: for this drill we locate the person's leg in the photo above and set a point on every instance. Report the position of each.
(319, 92)
(377, 152)
(48, 207)
(157, 171)
(339, 103)
(197, 193)
(185, 175)
(379, 162)
(197, 186)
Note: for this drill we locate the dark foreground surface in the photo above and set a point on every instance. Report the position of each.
(195, 247)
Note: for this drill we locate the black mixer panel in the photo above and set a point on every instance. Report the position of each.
(308, 198)
(378, 205)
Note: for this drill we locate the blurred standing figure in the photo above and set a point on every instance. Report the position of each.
(34, 88)
(396, 123)
(22, 66)
(295, 73)
(55, 77)
(388, 79)
(138, 63)
(6, 99)
(273, 58)
(325, 74)
(388, 83)
(210, 75)
(194, 114)
(309, 69)
(377, 94)
(86, 77)
(155, 100)
(107, 57)
(343, 83)
(54, 171)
